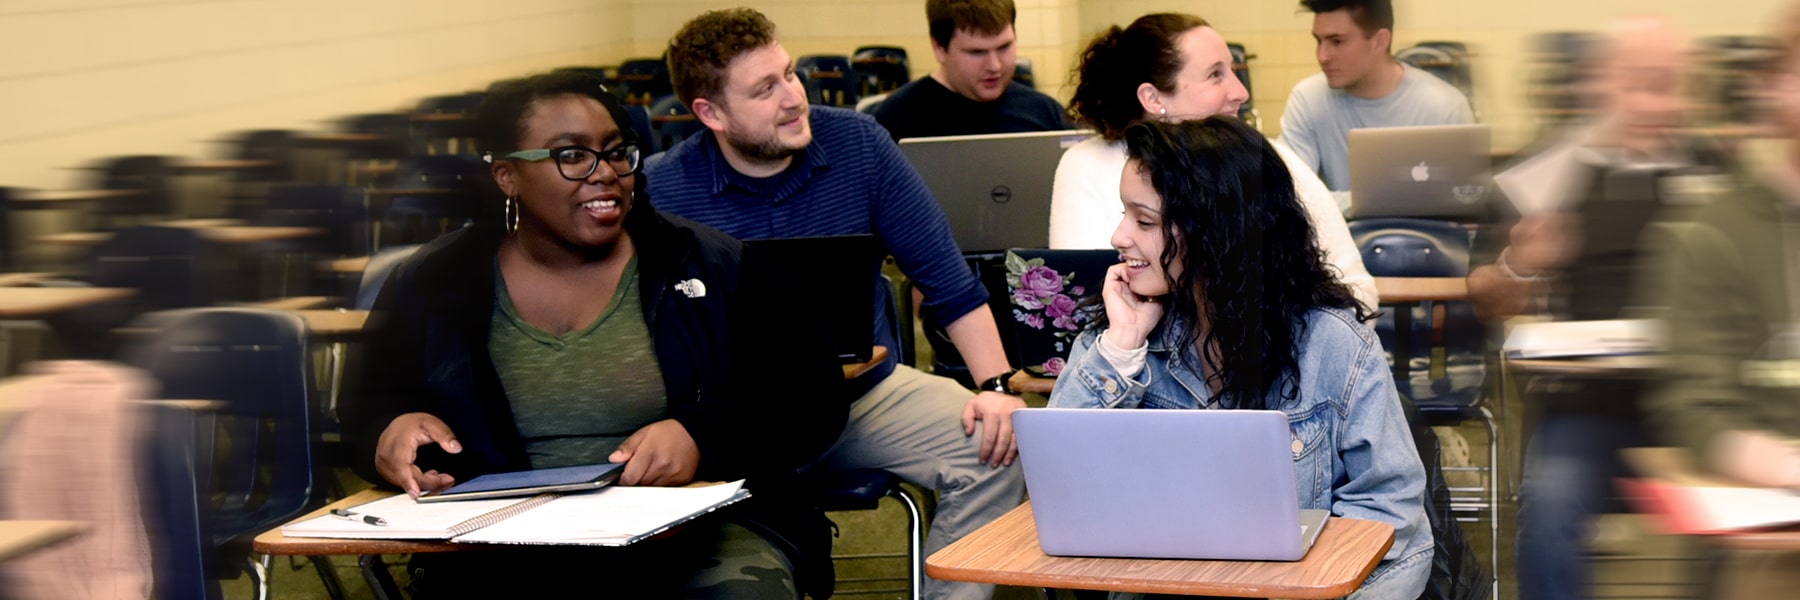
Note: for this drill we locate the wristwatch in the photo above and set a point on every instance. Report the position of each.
(1000, 383)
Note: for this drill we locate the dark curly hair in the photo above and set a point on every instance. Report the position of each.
(1116, 62)
(508, 104)
(1369, 15)
(703, 48)
(1251, 264)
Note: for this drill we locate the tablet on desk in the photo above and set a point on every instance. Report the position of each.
(530, 483)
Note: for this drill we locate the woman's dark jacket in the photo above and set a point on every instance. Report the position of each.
(749, 373)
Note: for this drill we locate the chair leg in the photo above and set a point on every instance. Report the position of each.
(915, 543)
(259, 575)
(328, 578)
(1493, 498)
(381, 582)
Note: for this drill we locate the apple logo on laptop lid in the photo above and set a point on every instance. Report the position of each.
(1421, 173)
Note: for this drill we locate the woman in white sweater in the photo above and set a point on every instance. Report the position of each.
(1170, 67)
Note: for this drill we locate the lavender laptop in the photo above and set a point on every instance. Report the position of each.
(1189, 484)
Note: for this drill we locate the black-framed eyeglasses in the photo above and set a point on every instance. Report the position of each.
(577, 163)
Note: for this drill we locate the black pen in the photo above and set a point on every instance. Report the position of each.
(370, 519)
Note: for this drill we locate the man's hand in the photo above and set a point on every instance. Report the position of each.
(398, 448)
(660, 454)
(994, 410)
(1542, 242)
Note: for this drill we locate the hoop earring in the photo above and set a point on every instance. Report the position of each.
(510, 215)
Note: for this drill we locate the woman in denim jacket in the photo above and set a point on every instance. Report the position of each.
(1221, 301)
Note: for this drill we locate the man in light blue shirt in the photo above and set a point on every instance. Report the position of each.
(1360, 85)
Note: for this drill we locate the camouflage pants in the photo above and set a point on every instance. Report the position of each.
(707, 560)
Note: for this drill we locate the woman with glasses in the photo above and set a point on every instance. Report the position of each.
(592, 329)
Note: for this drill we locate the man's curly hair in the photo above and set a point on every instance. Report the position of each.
(700, 51)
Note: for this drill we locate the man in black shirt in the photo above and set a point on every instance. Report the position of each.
(972, 91)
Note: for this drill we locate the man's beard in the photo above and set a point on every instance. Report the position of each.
(768, 149)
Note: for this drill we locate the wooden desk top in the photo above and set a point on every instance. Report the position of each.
(330, 138)
(1026, 382)
(274, 543)
(1006, 552)
(19, 279)
(439, 117)
(854, 371)
(334, 322)
(18, 538)
(17, 302)
(1403, 290)
(76, 195)
(377, 192)
(226, 164)
(1631, 365)
(344, 265)
(225, 234)
(293, 303)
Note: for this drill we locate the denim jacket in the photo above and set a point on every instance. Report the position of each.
(1353, 454)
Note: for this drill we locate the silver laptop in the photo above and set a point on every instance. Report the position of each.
(995, 189)
(1435, 171)
(1188, 484)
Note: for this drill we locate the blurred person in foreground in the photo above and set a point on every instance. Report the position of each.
(1222, 301)
(593, 329)
(1567, 247)
(1731, 390)
(1168, 67)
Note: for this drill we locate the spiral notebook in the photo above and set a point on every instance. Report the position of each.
(612, 516)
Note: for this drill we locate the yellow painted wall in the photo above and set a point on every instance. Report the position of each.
(84, 79)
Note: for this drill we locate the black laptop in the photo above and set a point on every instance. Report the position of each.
(1054, 296)
(840, 272)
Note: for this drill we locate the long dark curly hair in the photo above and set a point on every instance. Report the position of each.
(1251, 265)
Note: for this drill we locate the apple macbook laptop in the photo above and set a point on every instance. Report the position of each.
(995, 189)
(1436, 171)
(1182, 484)
(844, 268)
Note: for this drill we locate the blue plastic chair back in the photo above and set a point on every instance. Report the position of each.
(880, 69)
(1022, 73)
(829, 79)
(180, 544)
(171, 267)
(1397, 247)
(342, 211)
(376, 274)
(643, 80)
(147, 175)
(255, 363)
(672, 122)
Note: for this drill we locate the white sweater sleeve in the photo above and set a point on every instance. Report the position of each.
(1127, 362)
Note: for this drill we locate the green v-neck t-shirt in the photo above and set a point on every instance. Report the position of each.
(575, 397)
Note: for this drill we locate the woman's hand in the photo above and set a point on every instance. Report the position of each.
(399, 447)
(661, 454)
(1130, 317)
